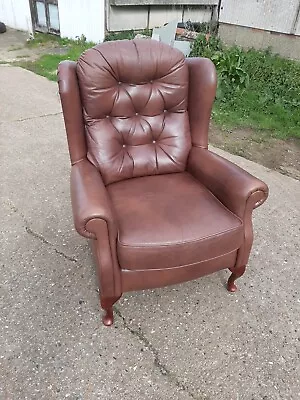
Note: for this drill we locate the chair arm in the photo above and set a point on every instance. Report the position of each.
(232, 185)
(90, 199)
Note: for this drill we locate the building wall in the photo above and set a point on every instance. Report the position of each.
(262, 24)
(288, 46)
(76, 17)
(121, 18)
(16, 14)
(79, 17)
(271, 15)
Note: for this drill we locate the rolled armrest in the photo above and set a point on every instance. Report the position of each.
(90, 199)
(233, 186)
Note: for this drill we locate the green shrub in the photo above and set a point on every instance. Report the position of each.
(206, 46)
(126, 34)
(229, 63)
(231, 74)
(255, 88)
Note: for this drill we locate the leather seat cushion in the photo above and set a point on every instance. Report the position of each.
(171, 220)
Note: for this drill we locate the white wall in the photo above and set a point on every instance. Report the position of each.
(16, 14)
(79, 17)
(272, 15)
(121, 18)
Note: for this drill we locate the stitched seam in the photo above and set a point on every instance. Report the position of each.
(179, 243)
(199, 146)
(78, 161)
(87, 220)
(180, 266)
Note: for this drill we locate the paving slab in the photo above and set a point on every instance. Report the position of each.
(26, 95)
(191, 341)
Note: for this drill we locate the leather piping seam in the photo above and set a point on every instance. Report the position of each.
(259, 202)
(78, 161)
(265, 193)
(110, 248)
(87, 220)
(199, 146)
(180, 266)
(179, 243)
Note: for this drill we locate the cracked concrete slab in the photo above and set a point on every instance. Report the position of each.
(30, 90)
(191, 341)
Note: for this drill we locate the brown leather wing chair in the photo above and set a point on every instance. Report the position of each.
(159, 207)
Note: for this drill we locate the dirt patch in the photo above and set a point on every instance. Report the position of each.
(14, 48)
(281, 155)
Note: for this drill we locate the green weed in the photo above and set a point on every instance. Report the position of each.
(256, 88)
(47, 64)
(110, 36)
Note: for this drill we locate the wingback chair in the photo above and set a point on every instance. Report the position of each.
(159, 207)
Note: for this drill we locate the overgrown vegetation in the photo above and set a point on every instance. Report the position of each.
(256, 88)
(126, 34)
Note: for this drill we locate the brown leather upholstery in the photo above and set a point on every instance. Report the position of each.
(173, 216)
(134, 99)
(159, 207)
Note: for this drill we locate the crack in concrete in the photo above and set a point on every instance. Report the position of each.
(45, 241)
(39, 236)
(138, 333)
(34, 117)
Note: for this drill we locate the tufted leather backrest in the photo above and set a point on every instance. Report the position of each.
(134, 97)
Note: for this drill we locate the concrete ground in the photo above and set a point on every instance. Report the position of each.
(12, 45)
(192, 341)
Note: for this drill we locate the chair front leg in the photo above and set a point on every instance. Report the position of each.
(108, 271)
(236, 273)
(107, 305)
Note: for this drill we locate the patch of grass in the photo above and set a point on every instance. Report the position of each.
(14, 48)
(271, 101)
(47, 64)
(110, 36)
(45, 39)
(269, 96)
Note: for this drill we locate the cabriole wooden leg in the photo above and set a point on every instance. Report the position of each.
(107, 305)
(236, 273)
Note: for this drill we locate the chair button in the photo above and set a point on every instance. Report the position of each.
(153, 141)
(124, 145)
(136, 113)
(165, 111)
